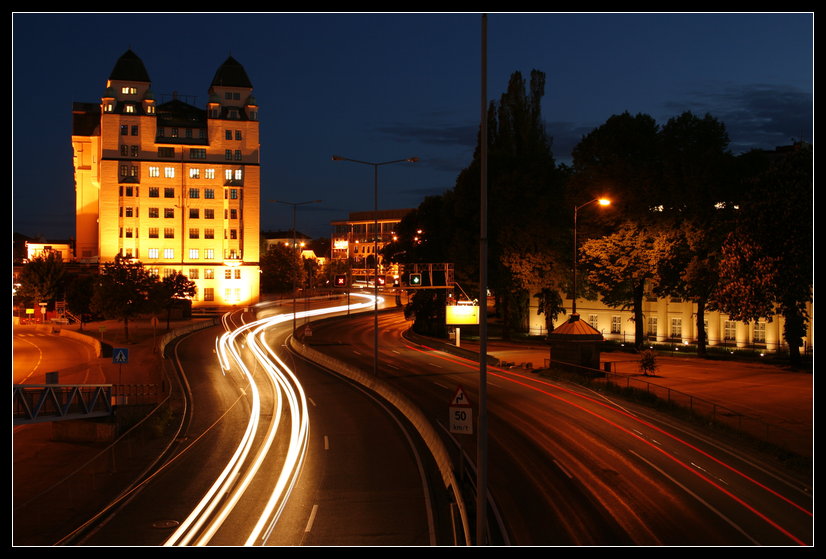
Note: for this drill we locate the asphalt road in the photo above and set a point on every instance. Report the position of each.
(569, 467)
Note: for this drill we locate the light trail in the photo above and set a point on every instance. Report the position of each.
(240, 471)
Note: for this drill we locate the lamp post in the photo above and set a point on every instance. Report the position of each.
(295, 205)
(376, 246)
(602, 202)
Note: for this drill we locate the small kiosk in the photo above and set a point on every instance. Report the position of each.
(575, 343)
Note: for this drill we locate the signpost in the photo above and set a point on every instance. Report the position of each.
(461, 414)
(120, 357)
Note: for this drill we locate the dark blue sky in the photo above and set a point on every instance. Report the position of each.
(379, 87)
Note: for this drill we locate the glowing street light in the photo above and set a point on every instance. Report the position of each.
(601, 202)
(376, 246)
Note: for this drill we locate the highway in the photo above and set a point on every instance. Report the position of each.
(264, 458)
(570, 467)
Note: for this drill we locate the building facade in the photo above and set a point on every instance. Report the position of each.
(355, 240)
(172, 185)
(674, 321)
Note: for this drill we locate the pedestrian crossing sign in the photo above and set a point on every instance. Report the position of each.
(120, 355)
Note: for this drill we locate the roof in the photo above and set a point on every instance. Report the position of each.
(575, 329)
(129, 68)
(231, 74)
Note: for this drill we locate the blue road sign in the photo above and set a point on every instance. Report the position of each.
(120, 355)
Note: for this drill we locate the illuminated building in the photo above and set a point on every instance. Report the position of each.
(172, 185)
(354, 241)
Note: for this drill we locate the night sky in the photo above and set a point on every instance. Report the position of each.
(380, 87)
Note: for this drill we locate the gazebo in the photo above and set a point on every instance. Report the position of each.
(575, 342)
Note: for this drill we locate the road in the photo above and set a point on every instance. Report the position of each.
(570, 467)
(267, 459)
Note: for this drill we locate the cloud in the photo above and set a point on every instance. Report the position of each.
(757, 116)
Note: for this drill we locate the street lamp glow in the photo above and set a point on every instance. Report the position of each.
(601, 202)
(604, 202)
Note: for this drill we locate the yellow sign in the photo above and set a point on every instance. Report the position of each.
(462, 314)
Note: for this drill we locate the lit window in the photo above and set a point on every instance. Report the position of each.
(239, 174)
(129, 108)
(154, 252)
(126, 90)
(676, 327)
(193, 254)
(209, 294)
(209, 273)
(616, 324)
(169, 253)
(194, 174)
(209, 173)
(169, 172)
(154, 171)
(209, 254)
(193, 273)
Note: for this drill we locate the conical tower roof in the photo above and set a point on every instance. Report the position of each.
(129, 68)
(575, 329)
(231, 74)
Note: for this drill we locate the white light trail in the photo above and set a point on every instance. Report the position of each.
(289, 397)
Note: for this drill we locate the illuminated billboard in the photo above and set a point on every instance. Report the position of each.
(461, 314)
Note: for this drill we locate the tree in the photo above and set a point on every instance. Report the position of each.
(123, 291)
(169, 290)
(42, 279)
(766, 264)
(280, 269)
(620, 266)
(79, 292)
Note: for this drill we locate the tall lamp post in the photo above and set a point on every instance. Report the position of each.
(295, 275)
(376, 247)
(601, 202)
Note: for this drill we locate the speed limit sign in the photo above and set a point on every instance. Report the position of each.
(461, 414)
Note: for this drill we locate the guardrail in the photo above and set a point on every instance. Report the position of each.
(33, 403)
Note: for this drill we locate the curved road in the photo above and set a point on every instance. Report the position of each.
(364, 478)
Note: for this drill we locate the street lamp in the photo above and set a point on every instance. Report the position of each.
(376, 247)
(601, 202)
(295, 275)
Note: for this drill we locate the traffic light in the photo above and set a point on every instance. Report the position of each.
(415, 280)
(341, 281)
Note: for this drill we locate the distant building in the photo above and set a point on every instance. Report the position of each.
(354, 240)
(172, 185)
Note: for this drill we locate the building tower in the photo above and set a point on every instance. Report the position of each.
(172, 185)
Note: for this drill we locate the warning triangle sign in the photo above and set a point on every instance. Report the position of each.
(459, 398)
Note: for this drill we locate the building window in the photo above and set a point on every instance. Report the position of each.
(154, 252)
(194, 233)
(194, 173)
(124, 150)
(169, 172)
(153, 233)
(169, 233)
(239, 174)
(194, 213)
(237, 134)
(759, 334)
(209, 233)
(228, 155)
(233, 193)
(193, 273)
(730, 330)
(134, 129)
(233, 234)
(133, 151)
(676, 327)
(169, 213)
(128, 191)
(209, 273)
(169, 253)
(154, 192)
(169, 192)
(652, 325)
(228, 134)
(173, 132)
(593, 320)
(128, 232)
(209, 213)
(197, 153)
(124, 130)
(129, 108)
(209, 193)
(166, 152)
(128, 211)
(126, 90)
(209, 173)
(154, 212)
(193, 254)
(209, 254)
(154, 171)
(238, 155)
(237, 273)
(228, 274)
(233, 213)
(209, 294)
(194, 193)
(616, 324)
